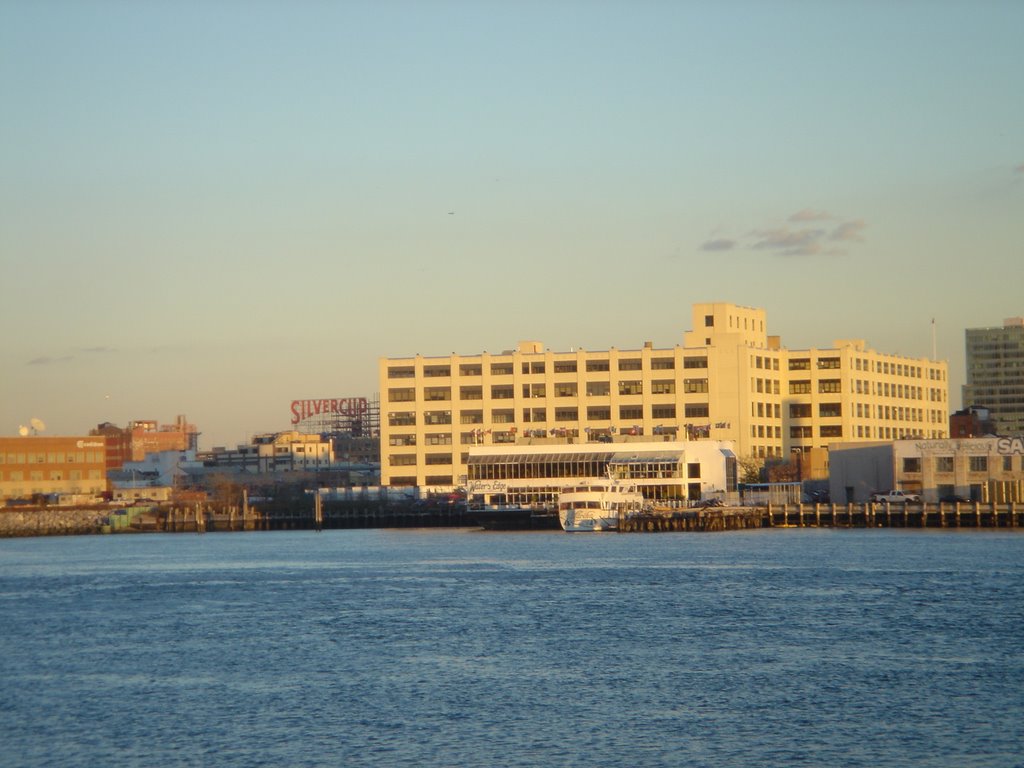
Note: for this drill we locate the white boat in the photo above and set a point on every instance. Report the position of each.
(598, 505)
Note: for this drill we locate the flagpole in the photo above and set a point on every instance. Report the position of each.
(935, 354)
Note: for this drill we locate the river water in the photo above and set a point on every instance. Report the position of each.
(466, 648)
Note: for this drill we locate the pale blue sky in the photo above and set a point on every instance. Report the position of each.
(213, 208)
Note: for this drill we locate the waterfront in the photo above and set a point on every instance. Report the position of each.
(458, 647)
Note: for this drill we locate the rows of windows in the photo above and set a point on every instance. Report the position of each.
(567, 414)
(535, 367)
(53, 457)
(53, 475)
(946, 464)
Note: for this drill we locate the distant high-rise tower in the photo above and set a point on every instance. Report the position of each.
(995, 374)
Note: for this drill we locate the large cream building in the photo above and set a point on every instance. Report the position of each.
(729, 380)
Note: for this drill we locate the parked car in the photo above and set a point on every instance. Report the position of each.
(894, 497)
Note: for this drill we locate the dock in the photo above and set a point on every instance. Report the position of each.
(925, 515)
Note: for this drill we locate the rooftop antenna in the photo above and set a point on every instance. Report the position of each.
(37, 425)
(23, 430)
(935, 354)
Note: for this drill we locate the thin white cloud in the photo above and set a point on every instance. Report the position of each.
(721, 244)
(849, 232)
(45, 360)
(807, 214)
(789, 242)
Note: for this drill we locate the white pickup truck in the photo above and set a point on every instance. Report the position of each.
(894, 497)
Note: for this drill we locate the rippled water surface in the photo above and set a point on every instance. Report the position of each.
(465, 648)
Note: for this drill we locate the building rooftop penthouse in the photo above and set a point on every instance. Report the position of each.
(729, 380)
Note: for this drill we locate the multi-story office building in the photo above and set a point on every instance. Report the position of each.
(35, 466)
(995, 374)
(729, 380)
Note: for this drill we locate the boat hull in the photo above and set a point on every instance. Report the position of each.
(515, 519)
(577, 521)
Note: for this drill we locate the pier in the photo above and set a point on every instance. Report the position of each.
(969, 515)
(320, 515)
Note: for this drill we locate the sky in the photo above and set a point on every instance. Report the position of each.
(215, 208)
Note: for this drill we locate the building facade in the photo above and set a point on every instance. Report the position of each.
(147, 437)
(985, 469)
(995, 374)
(729, 381)
(532, 475)
(278, 452)
(37, 466)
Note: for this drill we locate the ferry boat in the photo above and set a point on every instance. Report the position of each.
(598, 505)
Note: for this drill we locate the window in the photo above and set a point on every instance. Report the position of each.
(693, 469)
(830, 385)
(402, 460)
(502, 392)
(533, 390)
(470, 369)
(437, 393)
(835, 430)
(696, 411)
(691, 386)
(630, 364)
(663, 364)
(437, 371)
(437, 480)
(566, 389)
(828, 362)
(597, 365)
(911, 464)
(471, 393)
(663, 387)
(401, 395)
(501, 369)
(695, 362)
(503, 416)
(402, 440)
(800, 364)
(631, 388)
(599, 413)
(470, 417)
(565, 366)
(439, 438)
(598, 388)
(663, 411)
(709, 321)
(830, 410)
(437, 417)
(798, 432)
(436, 459)
(402, 372)
(631, 412)
(1007, 463)
(566, 414)
(800, 387)
(402, 419)
(943, 463)
(978, 463)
